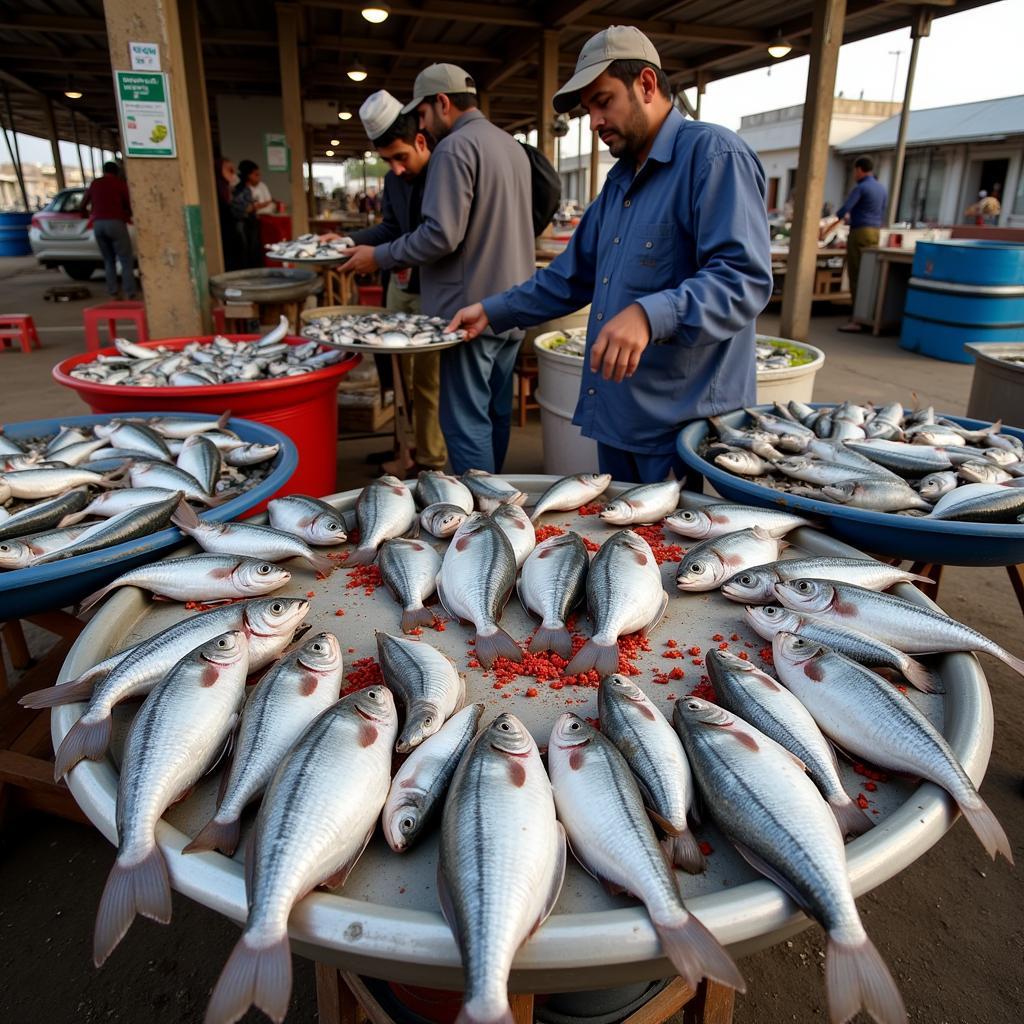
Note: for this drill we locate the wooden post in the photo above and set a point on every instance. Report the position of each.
(78, 147)
(483, 102)
(165, 192)
(547, 86)
(310, 180)
(826, 38)
(51, 131)
(595, 165)
(922, 26)
(291, 105)
(15, 153)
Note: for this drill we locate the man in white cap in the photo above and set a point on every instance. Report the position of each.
(397, 138)
(475, 235)
(673, 257)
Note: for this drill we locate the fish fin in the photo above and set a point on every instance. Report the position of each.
(361, 556)
(557, 878)
(917, 578)
(496, 645)
(253, 976)
(695, 953)
(856, 977)
(185, 516)
(852, 820)
(921, 677)
(603, 657)
(658, 616)
(142, 888)
(444, 897)
(980, 817)
(73, 518)
(1017, 664)
(97, 596)
(338, 877)
(663, 823)
(65, 693)
(222, 422)
(84, 740)
(558, 641)
(216, 835)
(322, 563)
(441, 600)
(475, 1011)
(762, 867)
(414, 529)
(415, 617)
(684, 852)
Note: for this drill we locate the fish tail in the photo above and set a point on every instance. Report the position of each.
(131, 889)
(216, 835)
(1017, 664)
(253, 976)
(323, 565)
(695, 953)
(980, 817)
(185, 516)
(97, 596)
(73, 518)
(557, 640)
(852, 820)
(84, 740)
(115, 477)
(920, 676)
(66, 693)
(412, 618)
(856, 977)
(684, 852)
(918, 578)
(594, 654)
(222, 422)
(361, 556)
(478, 1011)
(496, 645)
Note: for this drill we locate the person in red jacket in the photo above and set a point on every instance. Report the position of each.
(110, 211)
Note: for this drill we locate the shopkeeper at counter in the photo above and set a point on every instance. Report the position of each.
(673, 255)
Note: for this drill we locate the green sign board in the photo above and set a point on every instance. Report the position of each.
(277, 155)
(144, 102)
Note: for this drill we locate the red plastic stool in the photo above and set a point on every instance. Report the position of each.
(19, 327)
(371, 295)
(109, 313)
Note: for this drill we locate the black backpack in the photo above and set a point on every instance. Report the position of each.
(545, 187)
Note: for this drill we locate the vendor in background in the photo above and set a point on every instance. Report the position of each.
(265, 202)
(865, 206)
(110, 212)
(673, 256)
(985, 211)
(475, 234)
(245, 209)
(226, 178)
(406, 149)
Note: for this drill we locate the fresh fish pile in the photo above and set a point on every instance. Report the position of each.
(780, 355)
(881, 458)
(307, 247)
(392, 330)
(201, 363)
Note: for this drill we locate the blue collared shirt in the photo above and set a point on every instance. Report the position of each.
(686, 238)
(866, 203)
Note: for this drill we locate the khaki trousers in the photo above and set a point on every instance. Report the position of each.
(422, 373)
(859, 239)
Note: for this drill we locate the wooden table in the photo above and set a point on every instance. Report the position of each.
(886, 258)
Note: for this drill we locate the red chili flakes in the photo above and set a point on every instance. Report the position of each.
(871, 786)
(200, 606)
(706, 848)
(723, 646)
(673, 654)
(473, 663)
(593, 509)
(365, 576)
(735, 636)
(416, 632)
(747, 643)
(365, 672)
(676, 673)
(656, 538)
(703, 690)
(697, 661)
(310, 593)
(590, 545)
(340, 612)
(901, 688)
(547, 532)
(717, 637)
(351, 650)
(870, 773)
(695, 651)
(743, 656)
(532, 691)
(862, 801)
(660, 678)
(766, 655)
(671, 643)
(438, 625)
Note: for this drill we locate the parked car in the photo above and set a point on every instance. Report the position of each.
(60, 236)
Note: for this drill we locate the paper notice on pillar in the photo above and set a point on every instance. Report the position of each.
(144, 103)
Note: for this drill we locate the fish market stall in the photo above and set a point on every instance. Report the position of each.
(298, 397)
(385, 920)
(272, 291)
(325, 257)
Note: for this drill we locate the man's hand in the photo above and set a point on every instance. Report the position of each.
(471, 319)
(360, 260)
(622, 340)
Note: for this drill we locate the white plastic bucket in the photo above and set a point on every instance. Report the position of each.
(566, 450)
(792, 383)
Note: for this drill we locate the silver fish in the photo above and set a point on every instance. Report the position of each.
(814, 471)
(476, 579)
(421, 784)
(19, 553)
(173, 427)
(711, 521)
(552, 583)
(710, 563)
(516, 525)
(602, 809)
(654, 754)
(426, 681)
(742, 463)
(901, 457)
(442, 519)
(981, 472)
(310, 519)
(624, 594)
(435, 487)
(44, 514)
(410, 568)
(177, 733)
(760, 797)
(759, 442)
(300, 686)
(201, 459)
(490, 491)
(138, 437)
(34, 484)
(643, 505)
(318, 814)
(571, 493)
(877, 494)
(251, 454)
(64, 437)
(158, 474)
(979, 503)
(9, 447)
(385, 509)
(502, 860)
(866, 716)
(755, 697)
(113, 503)
(76, 454)
(935, 485)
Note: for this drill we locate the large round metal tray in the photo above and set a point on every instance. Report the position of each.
(385, 922)
(309, 261)
(308, 315)
(883, 533)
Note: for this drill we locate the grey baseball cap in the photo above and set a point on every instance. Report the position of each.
(446, 78)
(617, 42)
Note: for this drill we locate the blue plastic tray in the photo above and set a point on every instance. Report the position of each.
(58, 584)
(882, 533)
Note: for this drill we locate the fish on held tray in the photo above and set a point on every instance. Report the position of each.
(391, 330)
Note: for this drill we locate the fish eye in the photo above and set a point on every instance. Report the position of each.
(318, 647)
(803, 586)
(697, 567)
(277, 607)
(770, 610)
(746, 579)
(687, 516)
(222, 643)
(406, 825)
(429, 720)
(264, 569)
(574, 726)
(693, 705)
(332, 525)
(504, 727)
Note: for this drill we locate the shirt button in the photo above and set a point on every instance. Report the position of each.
(591, 391)
(604, 280)
(648, 245)
(626, 203)
(600, 316)
(615, 240)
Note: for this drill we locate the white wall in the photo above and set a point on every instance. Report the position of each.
(242, 122)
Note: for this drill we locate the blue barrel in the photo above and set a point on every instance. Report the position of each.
(14, 234)
(963, 292)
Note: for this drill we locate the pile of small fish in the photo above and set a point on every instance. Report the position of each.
(880, 458)
(779, 355)
(307, 247)
(200, 363)
(391, 330)
(91, 487)
(571, 342)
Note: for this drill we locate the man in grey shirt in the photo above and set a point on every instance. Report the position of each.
(475, 237)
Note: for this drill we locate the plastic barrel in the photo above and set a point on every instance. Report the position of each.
(963, 292)
(566, 450)
(14, 234)
(303, 407)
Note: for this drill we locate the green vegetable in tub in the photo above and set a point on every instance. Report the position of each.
(799, 355)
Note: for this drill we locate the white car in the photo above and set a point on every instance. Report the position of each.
(60, 236)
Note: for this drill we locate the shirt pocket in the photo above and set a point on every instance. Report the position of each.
(649, 258)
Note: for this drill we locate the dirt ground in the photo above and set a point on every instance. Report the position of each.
(951, 926)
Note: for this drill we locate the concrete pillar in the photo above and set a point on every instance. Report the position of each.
(595, 165)
(826, 38)
(288, 16)
(547, 86)
(51, 133)
(922, 26)
(78, 145)
(165, 191)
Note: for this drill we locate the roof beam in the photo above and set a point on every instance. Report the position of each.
(50, 24)
(389, 47)
(682, 31)
(445, 10)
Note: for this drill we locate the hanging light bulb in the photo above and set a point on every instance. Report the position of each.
(778, 47)
(70, 91)
(335, 142)
(356, 71)
(345, 115)
(375, 14)
(328, 152)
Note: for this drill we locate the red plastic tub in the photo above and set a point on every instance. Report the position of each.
(303, 407)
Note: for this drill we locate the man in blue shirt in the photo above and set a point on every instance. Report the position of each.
(865, 206)
(673, 257)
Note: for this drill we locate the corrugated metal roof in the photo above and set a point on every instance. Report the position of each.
(963, 122)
